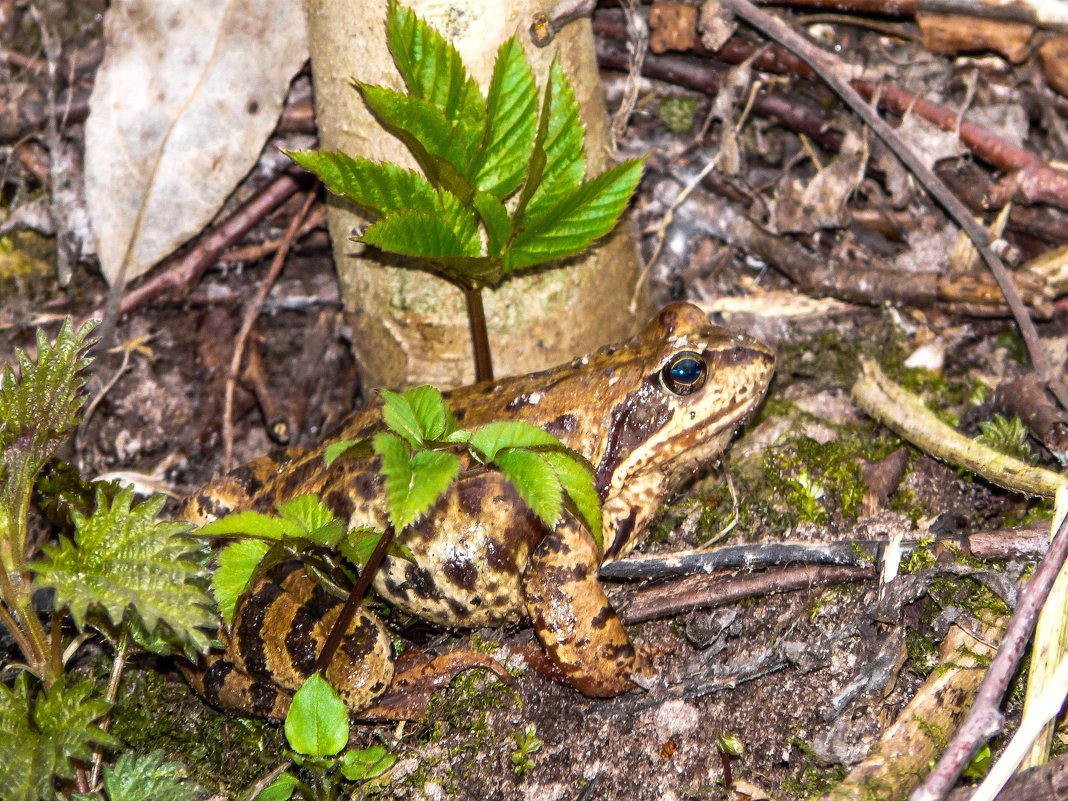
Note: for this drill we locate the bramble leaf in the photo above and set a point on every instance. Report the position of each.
(123, 557)
(315, 518)
(235, 567)
(359, 544)
(413, 481)
(429, 409)
(575, 221)
(565, 162)
(577, 480)
(437, 144)
(510, 122)
(317, 723)
(491, 438)
(379, 188)
(252, 524)
(346, 447)
(413, 233)
(495, 218)
(399, 416)
(432, 71)
(536, 481)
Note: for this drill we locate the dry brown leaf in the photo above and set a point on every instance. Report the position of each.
(187, 94)
(955, 33)
(822, 202)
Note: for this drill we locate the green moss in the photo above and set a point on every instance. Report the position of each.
(678, 113)
(220, 750)
(810, 780)
(922, 652)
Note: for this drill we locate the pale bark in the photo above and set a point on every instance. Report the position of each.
(411, 327)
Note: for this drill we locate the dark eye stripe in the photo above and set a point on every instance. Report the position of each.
(684, 373)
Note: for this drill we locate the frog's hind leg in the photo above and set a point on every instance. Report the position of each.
(573, 619)
(279, 629)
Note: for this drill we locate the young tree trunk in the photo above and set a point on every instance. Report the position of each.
(411, 327)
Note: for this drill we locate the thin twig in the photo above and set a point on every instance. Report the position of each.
(985, 718)
(251, 313)
(110, 694)
(835, 73)
(352, 603)
(262, 783)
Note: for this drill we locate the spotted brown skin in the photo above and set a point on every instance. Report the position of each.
(647, 414)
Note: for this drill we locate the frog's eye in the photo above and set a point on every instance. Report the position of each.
(685, 373)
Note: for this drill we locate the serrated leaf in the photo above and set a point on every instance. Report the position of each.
(535, 480)
(308, 511)
(576, 477)
(428, 407)
(148, 777)
(122, 557)
(536, 169)
(379, 188)
(252, 524)
(495, 218)
(346, 447)
(437, 144)
(235, 567)
(39, 407)
(399, 417)
(573, 223)
(433, 71)
(359, 544)
(565, 161)
(317, 724)
(491, 438)
(65, 717)
(425, 236)
(413, 481)
(511, 104)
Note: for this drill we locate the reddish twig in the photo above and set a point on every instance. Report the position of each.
(251, 313)
(835, 73)
(671, 598)
(985, 718)
(181, 271)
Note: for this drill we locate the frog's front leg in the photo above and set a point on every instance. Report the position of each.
(576, 624)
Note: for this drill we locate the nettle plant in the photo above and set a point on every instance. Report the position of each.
(116, 569)
(502, 187)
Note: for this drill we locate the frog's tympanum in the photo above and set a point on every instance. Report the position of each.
(647, 413)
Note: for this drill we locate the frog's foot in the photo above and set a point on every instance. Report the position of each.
(419, 675)
(218, 681)
(581, 632)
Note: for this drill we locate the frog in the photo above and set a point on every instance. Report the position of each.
(647, 414)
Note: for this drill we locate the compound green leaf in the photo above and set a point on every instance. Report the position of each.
(565, 162)
(426, 236)
(413, 481)
(510, 124)
(576, 477)
(436, 142)
(429, 409)
(235, 567)
(379, 188)
(575, 221)
(492, 438)
(252, 524)
(400, 417)
(496, 220)
(536, 481)
(433, 71)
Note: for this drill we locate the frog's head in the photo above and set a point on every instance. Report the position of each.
(686, 388)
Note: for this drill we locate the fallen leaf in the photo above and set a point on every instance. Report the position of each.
(187, 94)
